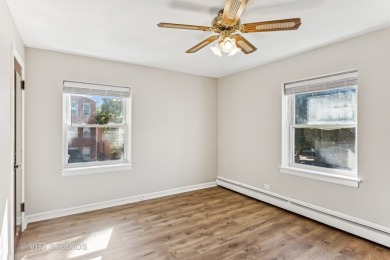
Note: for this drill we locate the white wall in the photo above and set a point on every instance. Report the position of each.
(9, 39)
(249, 126)
(174, 131)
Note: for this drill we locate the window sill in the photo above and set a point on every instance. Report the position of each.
(317, 175)
(96, 169)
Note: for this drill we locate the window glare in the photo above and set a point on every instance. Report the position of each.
(337, 106)
(326, 148)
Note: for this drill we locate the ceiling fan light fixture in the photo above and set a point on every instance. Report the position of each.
(217, 50)
(227, 45)
(234, 51)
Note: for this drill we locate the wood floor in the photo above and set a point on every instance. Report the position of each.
(213, 223)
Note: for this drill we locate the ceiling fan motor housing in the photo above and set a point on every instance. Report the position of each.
(218, 26)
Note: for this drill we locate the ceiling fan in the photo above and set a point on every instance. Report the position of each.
(227, 23)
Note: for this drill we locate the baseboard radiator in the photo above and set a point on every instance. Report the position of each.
(358, 227)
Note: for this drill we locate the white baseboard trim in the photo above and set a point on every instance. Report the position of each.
(368, 230)
(24, 223)
(112, 203)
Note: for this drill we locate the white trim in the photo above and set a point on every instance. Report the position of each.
(11, 208)
(324, 126)
(21, 63)
(97, 126)
(351, 181)
(306, 83)
(65, 122)
(128, 110)
(96, 169)
(94, 86)
(320, 79)
(23, 154)
(368, 230)
(117, 202)
(24, 222)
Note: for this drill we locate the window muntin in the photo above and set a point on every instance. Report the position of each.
(105, 131)
(86, 109)
(322, 125)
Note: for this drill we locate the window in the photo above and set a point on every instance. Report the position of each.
(86, 132)
(86, 153)
(75, 108)
(86, 109)
(320, 128)
(104, 124)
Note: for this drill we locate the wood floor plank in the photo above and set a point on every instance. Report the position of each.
(213, 223)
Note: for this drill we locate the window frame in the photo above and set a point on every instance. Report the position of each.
(69, 169)
(89, 109)
(289, 166)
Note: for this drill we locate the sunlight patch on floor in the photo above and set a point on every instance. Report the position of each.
(92, 243)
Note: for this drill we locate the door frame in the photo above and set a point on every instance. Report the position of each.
(15, 55)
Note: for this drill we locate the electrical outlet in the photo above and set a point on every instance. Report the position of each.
(267, 186)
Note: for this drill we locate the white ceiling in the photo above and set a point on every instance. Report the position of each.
(126, 30)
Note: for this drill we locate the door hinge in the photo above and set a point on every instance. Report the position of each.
(22, 207)
(22, 85)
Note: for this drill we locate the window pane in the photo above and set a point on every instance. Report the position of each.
(337, 106)
(104, 144)
(86, 132)
(97, 110)
(326, 148)
(75, 108)
(86, 109)
(73, 133)
(87, 153)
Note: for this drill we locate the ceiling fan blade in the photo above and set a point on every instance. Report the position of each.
(184, 26)
(244, 45)
(202, 44)
(194, 7)
(270, 26)
(233, 10)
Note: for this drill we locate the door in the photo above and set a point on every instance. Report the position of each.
(18, 151)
